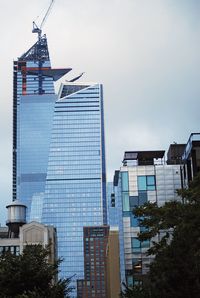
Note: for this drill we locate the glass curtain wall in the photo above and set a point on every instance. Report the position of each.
(33, 102)
(75, 187)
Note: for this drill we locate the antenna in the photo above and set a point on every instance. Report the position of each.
(37, 29)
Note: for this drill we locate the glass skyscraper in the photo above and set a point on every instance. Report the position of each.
(33, 104)
(75, 186)
(58, 153)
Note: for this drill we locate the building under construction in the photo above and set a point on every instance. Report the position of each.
(58, 151)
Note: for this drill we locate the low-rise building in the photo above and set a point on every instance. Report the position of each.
(144, 177)
(18, 233)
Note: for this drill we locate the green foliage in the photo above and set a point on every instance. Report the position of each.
(137, 291)
(29, 275)
(175, 271)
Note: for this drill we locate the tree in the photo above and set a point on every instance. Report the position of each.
(137, 291)
(175, 271)
(29, 275)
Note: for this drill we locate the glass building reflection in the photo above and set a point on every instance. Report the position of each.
(58, 152)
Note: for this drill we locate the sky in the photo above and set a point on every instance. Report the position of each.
(144, 52)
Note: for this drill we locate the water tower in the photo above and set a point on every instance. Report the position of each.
(16, 218)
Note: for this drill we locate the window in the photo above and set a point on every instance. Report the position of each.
(137, 265)
(145, 244)
(134, 221)
(133, 201)
(127, 213)
(124, 181)
(112, 200)
(125, 198)
(146, 183)
(130, 280)
(135, 244)
(143, 229)
(142, 183)
(142, 197)
(150, 182)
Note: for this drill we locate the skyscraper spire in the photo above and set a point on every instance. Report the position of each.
(32, 75)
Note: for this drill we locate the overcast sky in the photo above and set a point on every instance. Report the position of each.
(144, 52)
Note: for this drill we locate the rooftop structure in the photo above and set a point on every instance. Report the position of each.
(31, 233)
(193, 142)
(18, 234)
(175, 153)
(143, 157)
(16, 218)
(191, 158)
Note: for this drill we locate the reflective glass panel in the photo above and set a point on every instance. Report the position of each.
(142, 183)
(125, 198)
(135, 244)
(124, 181)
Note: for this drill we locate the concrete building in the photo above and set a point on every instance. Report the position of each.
(31, 234)
(3, 232)
(175, 153)
(188, 156)
(143, 177)
(18, 234)
(191, 159)
(113, 263)
(101, 263)
(115, 218)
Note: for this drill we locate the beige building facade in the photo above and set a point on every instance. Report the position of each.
(32, 233)
(113, 263)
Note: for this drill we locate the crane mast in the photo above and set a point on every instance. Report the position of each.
(41, 45)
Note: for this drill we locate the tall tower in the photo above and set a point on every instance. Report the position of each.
(75, 194)
(33, 103)
(58, 152)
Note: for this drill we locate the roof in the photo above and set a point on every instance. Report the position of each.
(194, 141)
(135, 155)
(55, 73)
(16, 203)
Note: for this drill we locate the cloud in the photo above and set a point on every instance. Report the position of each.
(146, 54)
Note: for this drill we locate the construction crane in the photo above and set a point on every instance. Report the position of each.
(40, 49)
(37, 29)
